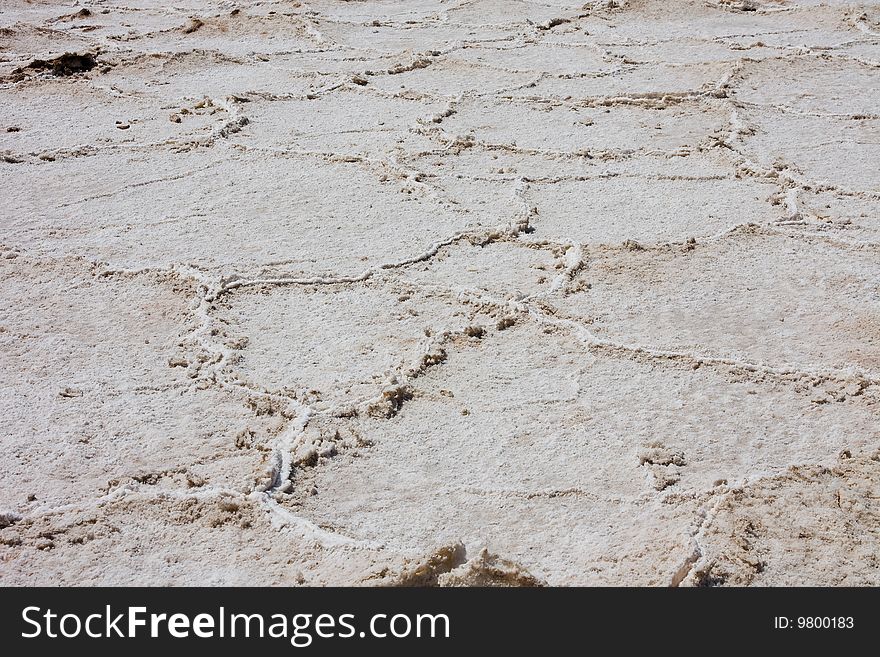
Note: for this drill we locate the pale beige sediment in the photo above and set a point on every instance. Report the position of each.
(440, 293)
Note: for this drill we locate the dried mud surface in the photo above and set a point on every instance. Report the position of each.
(495, 292)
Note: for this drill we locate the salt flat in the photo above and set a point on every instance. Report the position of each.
(440, 292)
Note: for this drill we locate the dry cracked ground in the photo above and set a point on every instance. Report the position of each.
(440, 292)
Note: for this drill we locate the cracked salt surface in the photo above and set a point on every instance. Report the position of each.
(440, 293)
